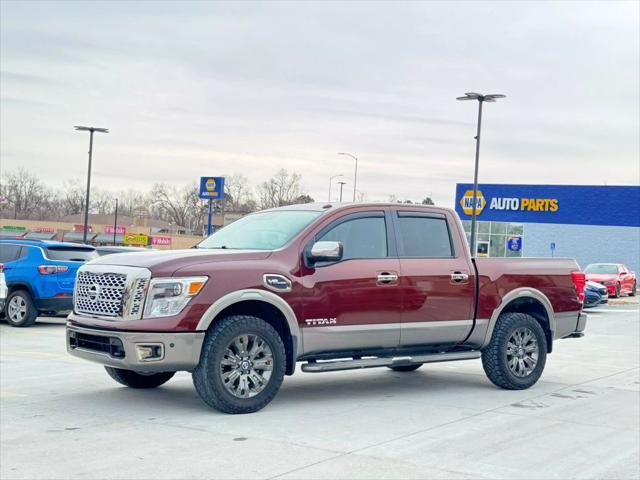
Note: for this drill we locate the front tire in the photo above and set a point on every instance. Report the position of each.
(516, 355)
(132, 379)
(20, 310)
(617, 291)
(242, 365)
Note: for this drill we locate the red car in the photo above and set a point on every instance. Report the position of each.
(616, 277)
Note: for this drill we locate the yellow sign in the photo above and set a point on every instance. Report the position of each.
(466, 202)
(211, 187)
(136, 239)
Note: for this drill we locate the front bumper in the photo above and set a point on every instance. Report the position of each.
(174, 351)
(54, 304)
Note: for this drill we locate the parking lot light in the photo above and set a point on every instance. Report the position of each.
(330, 181)
(355, 174)
(86, 199)
(481, 99)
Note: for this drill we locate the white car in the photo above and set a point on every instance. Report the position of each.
(4, 291)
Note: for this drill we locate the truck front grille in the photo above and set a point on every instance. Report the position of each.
(100, 293)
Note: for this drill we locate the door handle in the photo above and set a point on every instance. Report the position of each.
(459, 277)
(387, 277)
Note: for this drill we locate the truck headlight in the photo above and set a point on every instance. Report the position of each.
(168, 296)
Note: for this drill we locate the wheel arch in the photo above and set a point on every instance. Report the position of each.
(530, 301)
(13, 286)
(263, 304)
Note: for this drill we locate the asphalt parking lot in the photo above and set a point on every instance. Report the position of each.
(65, 418)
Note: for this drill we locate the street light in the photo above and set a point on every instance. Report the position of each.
(86, 200)
(330, 181)
(355, 175)
(481, 99)
(342, 184)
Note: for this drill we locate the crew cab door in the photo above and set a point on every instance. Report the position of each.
(354, 303)
(435, 277)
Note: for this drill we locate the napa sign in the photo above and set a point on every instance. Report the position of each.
(565, 204)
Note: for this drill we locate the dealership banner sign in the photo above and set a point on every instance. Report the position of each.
(565, 204)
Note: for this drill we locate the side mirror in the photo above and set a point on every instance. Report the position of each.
(325, 252)
(623, 273)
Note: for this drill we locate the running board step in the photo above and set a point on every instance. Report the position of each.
(334, 366)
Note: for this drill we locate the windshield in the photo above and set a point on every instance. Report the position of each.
(608, 269)
(261, 231)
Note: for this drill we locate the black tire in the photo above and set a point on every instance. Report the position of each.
(132, 379)
(617, 292)
(406, 368)
(208, 375)
(20, 299)
(634, 289)
(495, 355)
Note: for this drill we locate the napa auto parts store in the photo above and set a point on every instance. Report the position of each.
(589, 223)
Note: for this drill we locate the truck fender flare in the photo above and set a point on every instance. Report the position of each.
(522, 292)
(253, 294)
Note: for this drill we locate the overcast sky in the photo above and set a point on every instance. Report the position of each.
(191, 89)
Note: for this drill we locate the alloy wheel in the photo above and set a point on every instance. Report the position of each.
(17, 309)
(246, 366)
(522, 352)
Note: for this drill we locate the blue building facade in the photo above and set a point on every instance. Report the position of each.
(589, 223)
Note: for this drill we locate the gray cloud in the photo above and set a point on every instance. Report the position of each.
(191, 88)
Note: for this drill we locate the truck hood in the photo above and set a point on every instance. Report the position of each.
(165, 262)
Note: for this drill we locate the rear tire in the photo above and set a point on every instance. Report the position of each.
(20, 310)
(516, 355)
(406, 368)
(228, 376)
(634, 289)
(132, 379)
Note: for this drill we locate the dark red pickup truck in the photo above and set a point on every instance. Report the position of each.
(337, 287)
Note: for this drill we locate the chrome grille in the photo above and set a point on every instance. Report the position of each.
(139, 292)
(99, 293)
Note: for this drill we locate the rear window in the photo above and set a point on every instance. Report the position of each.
(424, 236)
(73, 254)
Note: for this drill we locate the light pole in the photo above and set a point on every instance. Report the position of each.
(342, 184)
(481, 99)
(331, 181)
(86, 200)
(355, 175)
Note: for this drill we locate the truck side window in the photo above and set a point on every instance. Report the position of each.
(361, 237)
(423, 236)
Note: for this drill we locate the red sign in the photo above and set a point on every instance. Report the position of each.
(165, 241)
(43, 230)
(119, 230)
(78, 227)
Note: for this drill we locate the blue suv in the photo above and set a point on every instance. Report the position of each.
(40, 276)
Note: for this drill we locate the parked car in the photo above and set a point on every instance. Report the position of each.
(117, 249)
(40, 276)
(4, 291)
(616, 277)
(338, 287)
(595, 294)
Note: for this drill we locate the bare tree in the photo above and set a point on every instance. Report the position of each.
(22, 193)
(427, 201)
(238, 195)
(282, 189)
(72, 197)
(178, 205)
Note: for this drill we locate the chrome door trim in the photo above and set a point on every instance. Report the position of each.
(350, 337)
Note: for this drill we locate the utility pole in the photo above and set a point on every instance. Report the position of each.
(115, 224)
(342, 184)
(481, 99)
(91, 130)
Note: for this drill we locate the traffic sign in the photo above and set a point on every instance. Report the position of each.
(212, 188)
(514, 244)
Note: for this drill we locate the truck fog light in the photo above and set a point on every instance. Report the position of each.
(149, 352)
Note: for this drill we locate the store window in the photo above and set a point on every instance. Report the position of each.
(497, 239)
